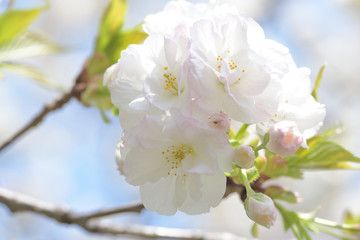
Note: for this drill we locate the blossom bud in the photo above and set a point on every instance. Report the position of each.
(244, 156)
(284, 138)
(220, 121)
(261, 209)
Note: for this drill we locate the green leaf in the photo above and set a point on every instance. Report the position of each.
(279, 193)
(111, 23)
(122, 40)
(318, 81)
(31, 73)
(27, 45)
(12, 22)
(289, 218)
(323, 154)
(292, 221)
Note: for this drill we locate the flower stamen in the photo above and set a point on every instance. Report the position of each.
(175, 155)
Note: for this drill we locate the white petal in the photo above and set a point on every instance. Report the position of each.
(164, 196)
(212, 191)
(144, 166)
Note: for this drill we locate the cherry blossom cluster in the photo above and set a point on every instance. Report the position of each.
(204, 69)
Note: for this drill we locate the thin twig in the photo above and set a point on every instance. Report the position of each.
(75, 91)
(39, 117)
(17, 202)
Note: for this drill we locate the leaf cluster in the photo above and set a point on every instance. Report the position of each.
(111, 40)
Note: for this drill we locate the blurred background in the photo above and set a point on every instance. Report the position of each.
(69, 158)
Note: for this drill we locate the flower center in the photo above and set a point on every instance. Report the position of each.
(174, 155)
(230, 62)
(170, 81)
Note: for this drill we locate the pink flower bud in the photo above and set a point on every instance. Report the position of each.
(261, 209)
(244, 156)
(284, 138)
(220, 121)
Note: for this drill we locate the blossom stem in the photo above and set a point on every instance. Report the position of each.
(348, 227)
(334, 234)
(241, 131)
(245, 181)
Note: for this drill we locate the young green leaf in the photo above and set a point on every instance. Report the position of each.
(318, 81)
(30, 72)
(12, 22)
(292, 221)
(111, 24)
(122, 40)
(27, 45)
(323, 154)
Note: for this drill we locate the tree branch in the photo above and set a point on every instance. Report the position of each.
(17, 202)
(39, 117)
(76, 90)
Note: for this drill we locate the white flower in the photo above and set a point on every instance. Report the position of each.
(297, 105)
(285, 138)
(244, 156)
(235, 69)
(177, 161)
(261, 209)
(166, 86)
(125, 81)
(178, 16)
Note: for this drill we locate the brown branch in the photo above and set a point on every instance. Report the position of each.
(76, 91)
(17, 202)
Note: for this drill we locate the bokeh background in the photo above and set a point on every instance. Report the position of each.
(69, 158)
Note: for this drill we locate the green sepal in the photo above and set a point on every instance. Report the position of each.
(255, 230)
(252, 174)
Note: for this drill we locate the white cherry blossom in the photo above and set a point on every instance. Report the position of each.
(235, 69)
(125, 81)
(176, 160)
(178, 16)
(297, 105)
(166, 86)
